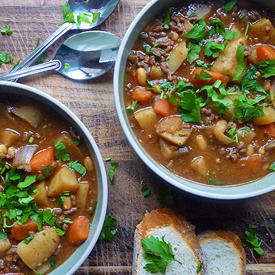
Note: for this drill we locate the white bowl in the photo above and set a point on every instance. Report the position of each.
(247, 190)
(82, 252)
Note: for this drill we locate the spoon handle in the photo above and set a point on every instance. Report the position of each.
(51, 65)
(45, 45)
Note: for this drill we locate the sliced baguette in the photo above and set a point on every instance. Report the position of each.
(223, 253)
(176, 231)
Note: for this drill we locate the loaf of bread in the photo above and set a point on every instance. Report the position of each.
(223, 253)
(177, 232)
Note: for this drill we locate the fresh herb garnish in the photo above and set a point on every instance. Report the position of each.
(193, 49)
(5, 58)
(246, 30)
(111, 172)
(199, 267)
(252, 240)
(77, 167)
(159, 253)
(108, 230)
(240, 59)
(203, 75)
(42, 56)
(93, 210)
(63, 196)
(6, 30)
(272, 166)
(145, 190)
(213, 49)
(61, 152)
(203, 65)
(67, 66)
(60, 232)
(53, 263)
(28, 240)
(233, 134)
(267, 67)
(167, 18)
(229, 5)
(133, 107)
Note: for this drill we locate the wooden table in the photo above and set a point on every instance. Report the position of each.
(92, 101)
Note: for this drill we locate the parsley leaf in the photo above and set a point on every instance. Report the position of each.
(61, 152)
(6, 30)
(199, 267)
(53, 263)
(249, 81)
(67, 66)
(29, 180)
(213, 49)
(147, 48)
(229, 35)
(145, 190)
(108, 230)
(252, 240)
(229, 5)
(193, 49)
(233, 134)
(111, 172)
(198, 32)
(203, 75)
(217, 27)
(203, 65)
(29, 239)
(77, 167)
(240, 58)
(132, 108)
(267, 67)
(5, 58)
(272, 167)
(166, 20)
(65, 9)
(159, 253)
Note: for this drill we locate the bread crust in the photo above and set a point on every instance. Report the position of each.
(163, 217)
(229, 237)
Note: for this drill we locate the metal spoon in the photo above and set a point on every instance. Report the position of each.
(83, 56)
(103, 7)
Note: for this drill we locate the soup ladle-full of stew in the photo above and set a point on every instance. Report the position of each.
(103, 8)
(83, 56)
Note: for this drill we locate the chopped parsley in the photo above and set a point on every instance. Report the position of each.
(203, 75)
(193, 49)
(111, 172)
(272, 166)
(31, 139)
(252, 240)
(267, 67)
(145, 190)
(213, 49)
(6, 30)
(5, 58)
(203, 65)
(42, 56)
(29, 239)
(229, 5)
(233, 134)
(53, 263)
(240, 59)
(77, 167)
(159, 253)
(199, 267)
(167, 18)
(246, 31)
(67, 66)
(61, 152)
(198, 32)
(133, 107)
(108, 230)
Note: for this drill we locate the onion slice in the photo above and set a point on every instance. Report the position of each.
(24, 154)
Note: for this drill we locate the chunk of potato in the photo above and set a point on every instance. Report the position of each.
(64, 180)
(168, 150)
(156, 73)
(5, 245)
(81, 195)
(228, 60)
(146, 118)
(32, 112)
(169, 124)
(177, 56)
(198, 164)
(268, 118)
(40, 196)
(253, 57)
(8, 137)
(40, 248)
(263, 30)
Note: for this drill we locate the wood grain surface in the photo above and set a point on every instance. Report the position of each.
(92, 101)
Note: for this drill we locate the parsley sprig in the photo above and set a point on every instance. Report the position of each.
(108, 230)
(252, 240)
(159, 253)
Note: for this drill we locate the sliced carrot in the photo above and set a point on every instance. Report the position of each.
(42, 158)
(265, 52)
(252, 163)
(21, 232)
(215, 76)
(78, 231)
(268, 130)
(163, 107)
(141, 94)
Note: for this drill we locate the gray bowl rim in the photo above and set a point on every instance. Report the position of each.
(83, 251)
(246, 190)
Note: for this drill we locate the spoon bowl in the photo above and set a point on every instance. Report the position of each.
(83, 56)
(103, 7)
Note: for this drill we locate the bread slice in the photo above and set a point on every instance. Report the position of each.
(176, 231)
(223, 253)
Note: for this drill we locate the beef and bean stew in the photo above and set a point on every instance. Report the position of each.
(48, 188)
(199, 91)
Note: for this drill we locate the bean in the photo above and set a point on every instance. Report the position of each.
(88, 163)
(201, 142)
(221, 125)
(141, 76)
(250, 150)
(67, 204)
